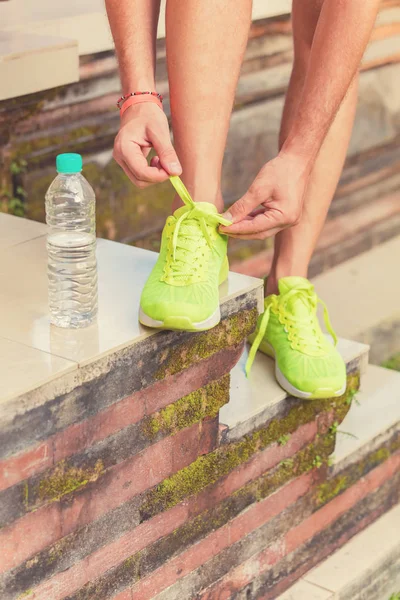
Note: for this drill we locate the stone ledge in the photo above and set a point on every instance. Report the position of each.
(58, 361)
(259, 398)
(33, 63)
(89, 24)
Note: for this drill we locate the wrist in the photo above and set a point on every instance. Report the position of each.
(145, 108)
(297, 158)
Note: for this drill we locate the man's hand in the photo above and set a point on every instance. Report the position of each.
(143, 127)
(273, 202)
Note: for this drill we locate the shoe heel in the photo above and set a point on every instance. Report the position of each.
(224, 272)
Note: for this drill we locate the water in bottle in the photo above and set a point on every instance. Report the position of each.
(71, 245)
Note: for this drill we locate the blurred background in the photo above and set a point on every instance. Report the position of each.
(58, 88)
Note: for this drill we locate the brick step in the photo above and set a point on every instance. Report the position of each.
(368, 434)
(360, 483)
(362, 568)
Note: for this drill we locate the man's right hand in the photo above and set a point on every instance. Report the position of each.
(143, 127)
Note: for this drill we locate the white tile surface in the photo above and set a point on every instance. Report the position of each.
(24, 319)
(23, 369)
(376, 410)
(360, 555)
(14, 230)
(302, 590)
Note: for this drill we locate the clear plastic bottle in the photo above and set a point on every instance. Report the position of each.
(71, 245)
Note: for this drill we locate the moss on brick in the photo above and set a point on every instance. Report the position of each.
(230, 332)
(207, 469)
(349, 476)
(196, 406)
(145, 561)
(64, 480)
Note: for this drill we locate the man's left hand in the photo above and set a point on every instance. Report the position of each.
(273, 202)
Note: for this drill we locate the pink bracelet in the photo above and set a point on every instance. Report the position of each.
(136, 100)
(134, 94)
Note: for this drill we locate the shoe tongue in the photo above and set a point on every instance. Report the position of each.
(297, 305)
(287, 283)
(206, 207)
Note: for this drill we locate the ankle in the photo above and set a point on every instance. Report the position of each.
(210, 193)
(271, 284)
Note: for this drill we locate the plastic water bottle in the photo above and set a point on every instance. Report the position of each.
(71, 245)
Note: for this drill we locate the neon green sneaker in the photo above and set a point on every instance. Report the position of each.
(307, 365)
(182, 290)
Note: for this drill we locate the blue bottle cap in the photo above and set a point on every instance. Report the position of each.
(69, 163)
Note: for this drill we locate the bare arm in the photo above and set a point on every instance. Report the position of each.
(143, 126)
(342, 34)
(134, 27)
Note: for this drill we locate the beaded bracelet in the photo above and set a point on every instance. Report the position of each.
(123, 98)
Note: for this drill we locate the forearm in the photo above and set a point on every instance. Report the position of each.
(342, 34)
(134, 27)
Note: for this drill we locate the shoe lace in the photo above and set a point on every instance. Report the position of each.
(301, 332)
(187, 234)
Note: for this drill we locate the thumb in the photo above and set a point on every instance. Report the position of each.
(168, 158)
(244, 206)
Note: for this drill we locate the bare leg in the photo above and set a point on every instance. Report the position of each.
(294, 246)
(206, 41)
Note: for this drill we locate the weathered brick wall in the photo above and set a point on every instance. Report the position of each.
(127, 486)
(82, 117)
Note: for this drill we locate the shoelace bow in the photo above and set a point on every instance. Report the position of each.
(295, 323)
(195, 213)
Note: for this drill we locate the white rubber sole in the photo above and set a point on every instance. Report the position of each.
(318, 394)
(182, 323)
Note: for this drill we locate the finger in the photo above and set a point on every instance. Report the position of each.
(247, 203)
(140, 184)
(155, 162)
(268, 219)
(168, 158)
(255, 236)
(136, 163)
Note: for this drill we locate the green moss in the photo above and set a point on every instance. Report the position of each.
(341, 482)
(283, 440)
(64, 480)
(69, 136)
(207, 469)
(25, 594)
(393, 362)
(230, 332)
(217, 516)
(202, 403)
(329, 490)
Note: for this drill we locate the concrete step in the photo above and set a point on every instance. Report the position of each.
(372, 419)
(363, 299)
(260, 398)
(367, 567)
